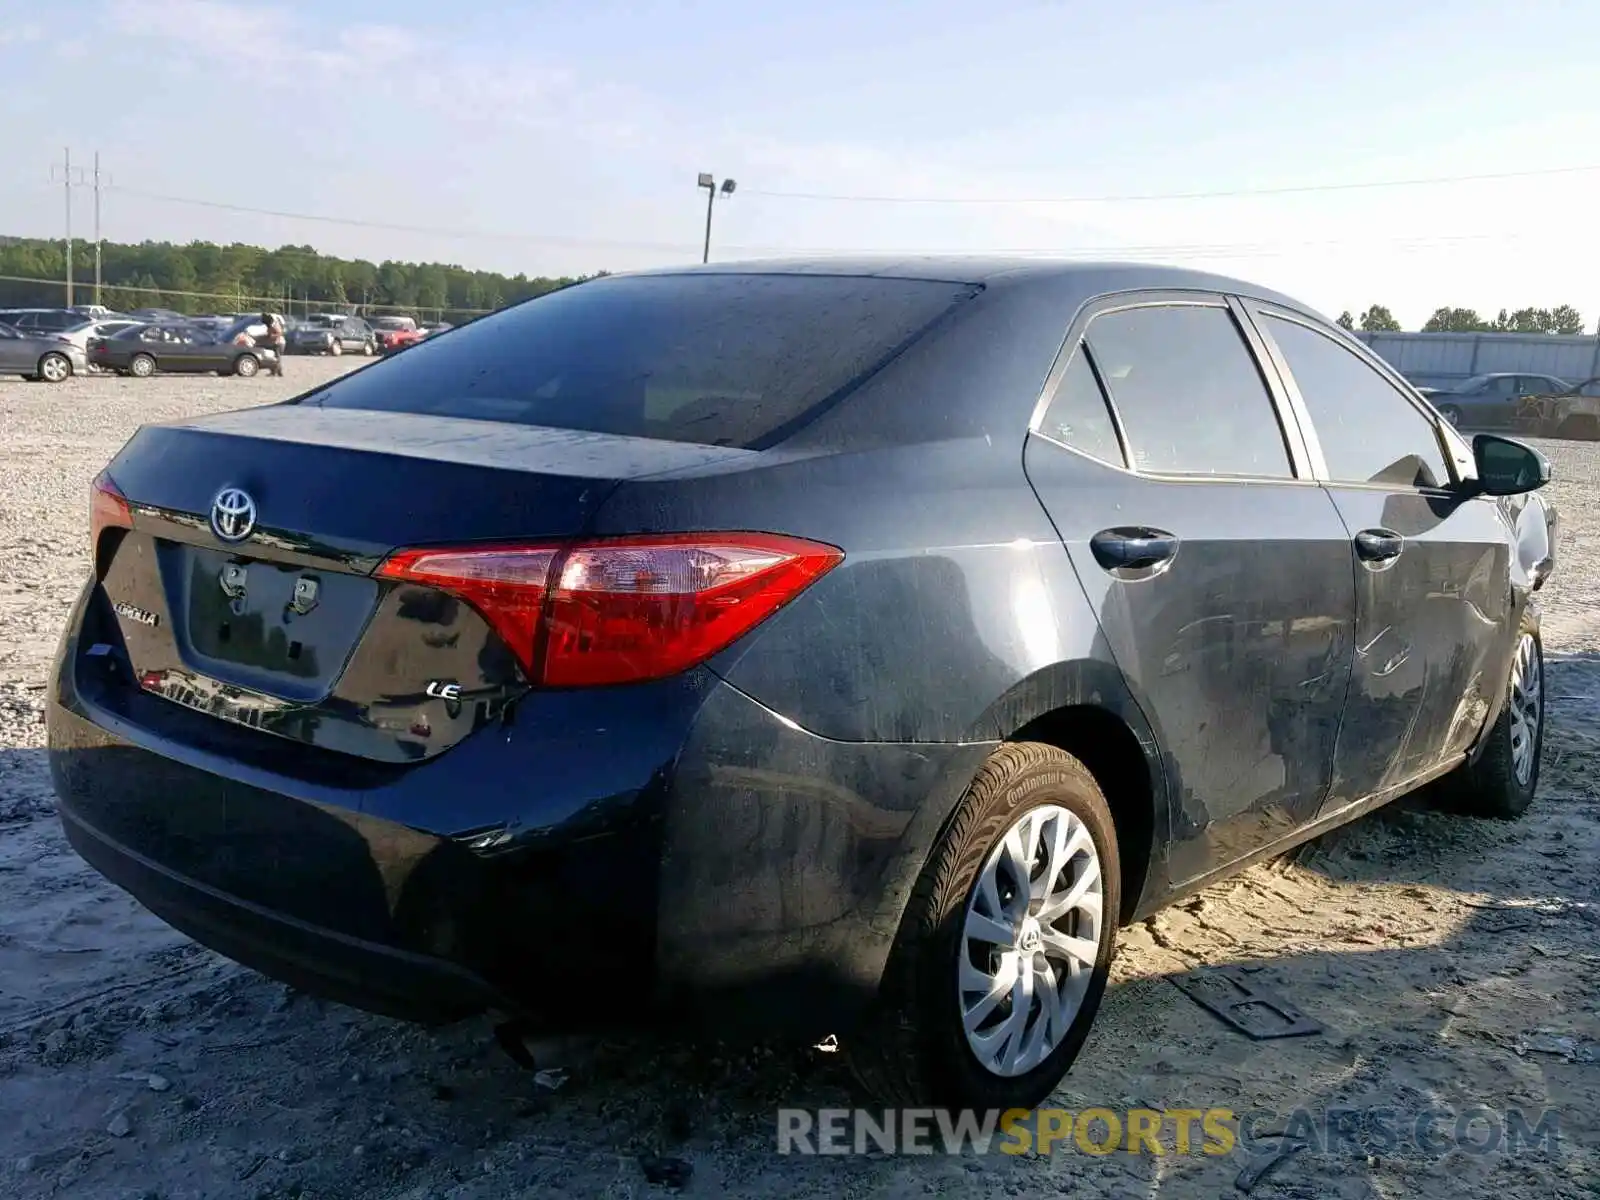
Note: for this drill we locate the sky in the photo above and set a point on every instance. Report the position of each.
(559, 138)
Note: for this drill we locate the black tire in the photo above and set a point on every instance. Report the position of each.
(246, 366)
(336, 347)
(54, 367)
(142, 366)
(911, 1049)
(1491, 787)
(367, 350)
(1451, 413)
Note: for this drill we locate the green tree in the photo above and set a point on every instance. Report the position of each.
(1346, 321)
(1379, 319)
(237, 277)
(1565, 319)
(1456, 320)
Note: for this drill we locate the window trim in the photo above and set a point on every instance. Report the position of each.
(1105, 398)
(1295, 447)
(1258, 310)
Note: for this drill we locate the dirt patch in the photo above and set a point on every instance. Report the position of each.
(1452, 963)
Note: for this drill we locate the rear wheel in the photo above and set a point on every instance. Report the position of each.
(336, 347)
(55, 368)
(142, 366)
(246, 365)
(367, 349)
(1501, 782)
(1451, 413)
(1006, 943)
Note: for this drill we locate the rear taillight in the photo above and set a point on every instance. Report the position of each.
(108, 509)
(621, 610)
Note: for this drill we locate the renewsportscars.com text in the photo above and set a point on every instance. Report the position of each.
(1423, 1132)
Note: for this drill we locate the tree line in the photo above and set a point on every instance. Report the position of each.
(1561, 319)
(204, 277)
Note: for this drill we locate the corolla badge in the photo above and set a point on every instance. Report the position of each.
(233, 514)
(133, 612)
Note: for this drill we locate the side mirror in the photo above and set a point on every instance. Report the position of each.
(1507, 467)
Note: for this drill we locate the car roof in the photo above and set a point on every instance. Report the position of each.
(1088, 278)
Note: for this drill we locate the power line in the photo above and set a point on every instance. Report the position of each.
(1189, 249)
(394, 227)
(1180, 250)
(1220, 194)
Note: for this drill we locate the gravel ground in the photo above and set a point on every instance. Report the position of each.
(1452, 963)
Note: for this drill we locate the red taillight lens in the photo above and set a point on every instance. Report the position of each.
(649, 607)
(108, 509)
(622, 610)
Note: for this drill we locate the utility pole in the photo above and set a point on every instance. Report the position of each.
(66, 180)
(96, 227)
(710, 185)
(70, 180)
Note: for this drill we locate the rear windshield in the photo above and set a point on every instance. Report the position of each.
(726, 360)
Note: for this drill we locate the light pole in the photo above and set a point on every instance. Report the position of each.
(710, 185)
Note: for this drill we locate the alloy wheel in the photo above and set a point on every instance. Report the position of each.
(54, 368)
(1030, 940)
(1527, 707)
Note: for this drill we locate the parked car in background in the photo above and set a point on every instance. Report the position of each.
(437, 327)
(1491, 401)
(40, 320)
(245, 329)
(160, 315)
(142, 350)
(331, 333)
(858, 645)
(81, 335)
(396, 333)
(42, 356)
(213, 323)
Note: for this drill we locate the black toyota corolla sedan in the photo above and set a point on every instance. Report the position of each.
(820, 647)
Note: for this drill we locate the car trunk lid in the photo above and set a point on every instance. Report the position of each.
(269, 614)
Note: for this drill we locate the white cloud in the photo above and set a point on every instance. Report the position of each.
(19, 35)
(278, 47)
(272, 43)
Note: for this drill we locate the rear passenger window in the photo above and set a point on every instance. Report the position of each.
(1370, 433)
(1078, 416)
(1187, 389)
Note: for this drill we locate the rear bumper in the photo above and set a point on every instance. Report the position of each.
(348, 969)
(673, 848)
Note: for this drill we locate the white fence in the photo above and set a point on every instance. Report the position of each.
(1437, 358)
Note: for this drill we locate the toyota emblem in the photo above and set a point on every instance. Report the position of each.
(233, 514)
